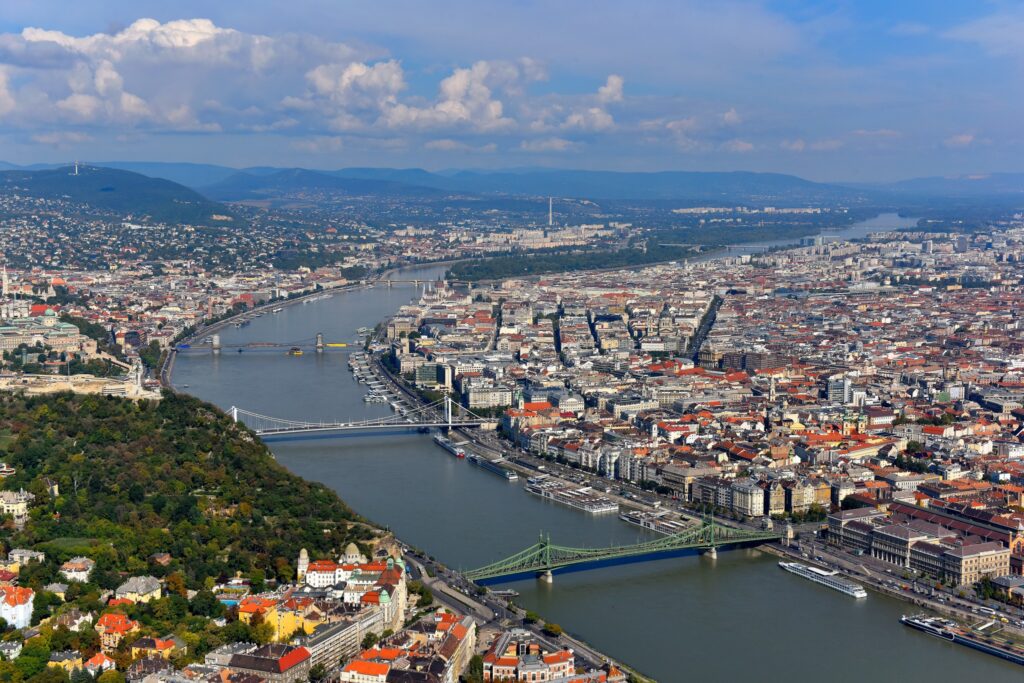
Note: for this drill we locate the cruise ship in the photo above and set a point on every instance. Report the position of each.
(654, 521)
(954, 633)
(492, 466)
(449, 446)
(582, 498)
(825, 577)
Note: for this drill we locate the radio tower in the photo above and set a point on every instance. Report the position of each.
(551, 215)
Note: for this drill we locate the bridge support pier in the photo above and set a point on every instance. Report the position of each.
(712, 552)
(546, 577)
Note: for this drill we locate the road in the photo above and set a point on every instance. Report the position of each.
(888, 579)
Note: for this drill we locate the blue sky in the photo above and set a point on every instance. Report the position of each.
(863, 90)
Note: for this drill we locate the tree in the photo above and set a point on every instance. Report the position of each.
(111, 676)
(81, 676)
(175, 584)
(318, 673)
(369, 640)
(51, 674)
(206, 604)
(553, 630)
(263, 633)
(475, 670)
(531, 618)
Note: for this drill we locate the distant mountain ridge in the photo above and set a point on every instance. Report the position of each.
(131, 194)
(275, 183)
(231, 184)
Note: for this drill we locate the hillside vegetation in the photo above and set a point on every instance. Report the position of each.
(174, 476)
(137, 197)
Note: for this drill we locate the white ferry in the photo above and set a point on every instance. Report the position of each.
(449, 446)
(825, 577)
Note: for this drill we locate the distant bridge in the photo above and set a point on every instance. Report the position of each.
(440, 414)
(543, 558)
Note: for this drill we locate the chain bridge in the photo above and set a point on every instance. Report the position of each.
(441, 413)
(544, 558)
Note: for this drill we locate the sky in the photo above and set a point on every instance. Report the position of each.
(865, 90)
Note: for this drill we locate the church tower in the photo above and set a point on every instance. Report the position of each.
(300, 573)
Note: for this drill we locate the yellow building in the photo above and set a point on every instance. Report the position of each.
(139, 589)
(69, 660)
(286, 617)
(154, 647)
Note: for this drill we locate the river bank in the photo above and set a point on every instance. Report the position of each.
(674, 619)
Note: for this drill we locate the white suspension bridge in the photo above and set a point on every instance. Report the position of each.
(441, 413)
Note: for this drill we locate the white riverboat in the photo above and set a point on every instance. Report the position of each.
(825, 577)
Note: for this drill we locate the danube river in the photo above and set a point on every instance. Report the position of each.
(735, 618)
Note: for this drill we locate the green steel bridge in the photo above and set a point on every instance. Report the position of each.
(543, 558)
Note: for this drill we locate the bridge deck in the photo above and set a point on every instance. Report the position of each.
(359, 426)
(545, 557)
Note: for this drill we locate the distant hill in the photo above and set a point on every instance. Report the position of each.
(136, 196)
(228, 184)
(269, 184)
(738, 186)
(189, 175)
(666, 185)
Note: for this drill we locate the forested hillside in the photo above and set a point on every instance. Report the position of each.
(174, 476)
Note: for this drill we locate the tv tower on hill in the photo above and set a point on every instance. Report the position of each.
(551, 214)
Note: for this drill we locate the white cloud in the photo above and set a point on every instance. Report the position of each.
(731, 117)
(591, 118)
(61, 139)
(82, 107)
(827, 145)
(7, 102)
(998, 34)
(611, 91)
(547, 145)
(877, 133)
(959, 140)
(319, 144)
(738, 146)
(157, 75)
(358, 85)
(594, 117)
(800, 145)
(106, 79)
(465, 98)
(449, 145)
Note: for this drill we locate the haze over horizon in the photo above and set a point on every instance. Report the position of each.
(836, 91)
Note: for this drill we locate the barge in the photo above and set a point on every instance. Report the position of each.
(954, 633)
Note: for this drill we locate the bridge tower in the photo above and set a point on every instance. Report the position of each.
(319, 342)
(448, 410)
(234, 413)
(545, 553)
(215, 342)
(712, 551)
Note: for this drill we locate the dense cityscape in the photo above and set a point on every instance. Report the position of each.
(492, 343)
